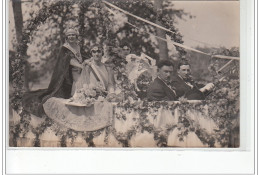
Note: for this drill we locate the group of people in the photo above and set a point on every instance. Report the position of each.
(74, 70)
(171, 87)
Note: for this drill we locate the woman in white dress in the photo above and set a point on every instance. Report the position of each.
(95, 73)
(79, 116)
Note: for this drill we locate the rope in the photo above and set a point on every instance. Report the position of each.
(168, 37)
(223, 67)
(137, 17)
(172, 42)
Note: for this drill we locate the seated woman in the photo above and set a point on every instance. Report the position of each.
(117, 62)
(140, 73)
(86, 111)
(95, 73)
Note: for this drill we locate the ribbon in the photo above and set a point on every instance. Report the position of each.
(95, 69)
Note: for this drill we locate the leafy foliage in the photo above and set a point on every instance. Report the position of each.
(202, 65)
(44, 34)
(46, 21)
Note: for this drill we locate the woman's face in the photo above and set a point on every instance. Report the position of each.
(72, 38)
(96, 54)
(125, 51)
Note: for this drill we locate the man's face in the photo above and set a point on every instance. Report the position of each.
(165, 73)
(184, 71)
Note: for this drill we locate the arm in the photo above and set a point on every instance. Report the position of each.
(75, 63)
(208, 87)
(156, 96)
(111, 80)
(156, 93)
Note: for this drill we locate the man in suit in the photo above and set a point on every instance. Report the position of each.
(186, 87)
(160, 89)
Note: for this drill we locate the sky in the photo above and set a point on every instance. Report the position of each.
(217, 23)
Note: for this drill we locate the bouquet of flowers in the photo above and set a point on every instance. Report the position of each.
(112, 97)
(88, 95)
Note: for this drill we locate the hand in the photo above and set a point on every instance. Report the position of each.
(111, 97)
(208, 87)
(183, 99)
(86, 62)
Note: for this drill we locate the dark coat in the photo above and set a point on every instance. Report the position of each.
(184, 90)
(60, 84)
(159, 91)
(61, 80)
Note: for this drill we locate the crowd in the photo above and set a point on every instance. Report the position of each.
(73, 71)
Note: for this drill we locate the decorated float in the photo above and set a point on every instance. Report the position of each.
(94, 119)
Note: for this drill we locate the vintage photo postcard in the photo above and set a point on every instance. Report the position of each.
(114, 74)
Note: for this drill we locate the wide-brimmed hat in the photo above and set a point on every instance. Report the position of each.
(71, 32)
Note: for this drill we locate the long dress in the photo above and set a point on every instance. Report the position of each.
(82, 117)
(97, 75)
(61, 84)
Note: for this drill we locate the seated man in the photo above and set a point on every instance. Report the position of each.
(186, 87)
(160, 88)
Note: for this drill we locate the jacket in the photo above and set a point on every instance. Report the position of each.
(184, 90)
(159, 91)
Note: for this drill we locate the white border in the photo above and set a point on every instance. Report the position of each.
(152, 161)
(3, 89)
(246, 73)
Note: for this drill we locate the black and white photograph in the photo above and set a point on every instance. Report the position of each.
(124, 74)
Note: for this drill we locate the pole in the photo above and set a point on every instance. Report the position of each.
(163, 50)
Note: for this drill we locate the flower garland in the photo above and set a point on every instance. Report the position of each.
(18, 63)
(185, 125)
(222, 112)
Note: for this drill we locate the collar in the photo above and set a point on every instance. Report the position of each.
(162, 80)
(186, 82)
(181, 77)
(167, 85)
(77, 54)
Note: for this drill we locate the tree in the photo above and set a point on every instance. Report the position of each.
(18, 19)
(202, 64)
(95, 24)
(163, 50)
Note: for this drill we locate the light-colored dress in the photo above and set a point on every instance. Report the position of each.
(84, 118)
(95, 76)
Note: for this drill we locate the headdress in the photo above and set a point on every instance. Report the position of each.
(71, 31)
